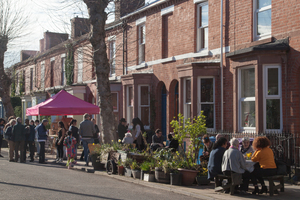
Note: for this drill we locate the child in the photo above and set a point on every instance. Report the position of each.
(70, 142)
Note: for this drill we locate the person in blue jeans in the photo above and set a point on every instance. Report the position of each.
(42, 137)
(86, 131)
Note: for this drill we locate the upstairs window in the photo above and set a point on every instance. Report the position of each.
(202, 26)
(63, 71)
(79, 64)
(112, 57)
(141, 43)
(42, 75)
(262, 19)
(31, 79)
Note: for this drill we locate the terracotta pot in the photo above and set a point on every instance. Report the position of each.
(121, 170)
(188, 176)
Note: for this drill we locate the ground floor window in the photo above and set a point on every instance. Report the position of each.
(129, 102)
(272, 97)
(144, 105)
(187, 98)
(206, 100)
(246, 79)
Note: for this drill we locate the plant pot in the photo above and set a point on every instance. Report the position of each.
(127, 172)
(142, 174)
(188, 176)
(161, 176)
(149, 177)
(136, 173)
(202, 180)
(121, 170)
(96, 162)
(175, 179)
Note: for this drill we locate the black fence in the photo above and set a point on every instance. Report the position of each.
(286, 146)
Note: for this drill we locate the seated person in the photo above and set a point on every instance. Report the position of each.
(173, 143)
(128, 139)
(122, 128)
(234, 162)
(265, 156)
(157, 140)
(208, 146)
(215, 161)
(246, 146)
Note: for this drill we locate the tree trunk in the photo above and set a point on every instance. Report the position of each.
(5, 82)
(97, 19)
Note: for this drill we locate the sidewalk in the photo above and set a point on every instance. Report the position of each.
(292, 192)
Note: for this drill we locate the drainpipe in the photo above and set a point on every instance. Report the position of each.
(221, 65)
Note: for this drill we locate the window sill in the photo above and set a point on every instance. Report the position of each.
(267, 37)
(202, 53)
(113, 77)
(166, 60)
(142, 65)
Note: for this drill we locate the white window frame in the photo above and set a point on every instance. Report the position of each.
(139, 40)
(79, 64)
(199, 98)
(199, 44)
(42, 75)
(266, 96)
(143, 106)
(128, 104)
(184, 98)
(117, 110)
(112, 57)
(255, 29)
(240, 100)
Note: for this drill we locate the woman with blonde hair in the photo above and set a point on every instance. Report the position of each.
(9, 137)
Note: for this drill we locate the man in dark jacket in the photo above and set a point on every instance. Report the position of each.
(19, 136)
(30, 134)
(42, 138)
(122, 128)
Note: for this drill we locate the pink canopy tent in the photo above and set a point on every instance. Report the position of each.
(62, 103)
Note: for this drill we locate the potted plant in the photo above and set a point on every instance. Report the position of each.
(202, 177)
(191, 129)
(162, 171)
(127, 164)
(120, 168)
(147, 171)
(95, 152)
(175, 176)
(135, 170)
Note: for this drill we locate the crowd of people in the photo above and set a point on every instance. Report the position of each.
(32, 136)
(228, 160)
(135, 136)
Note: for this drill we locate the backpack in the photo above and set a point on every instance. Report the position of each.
(8, 133)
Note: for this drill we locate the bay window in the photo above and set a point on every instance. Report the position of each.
(187, 98)
(129, 107)
(144, 105)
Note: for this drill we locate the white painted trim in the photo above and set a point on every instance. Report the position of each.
(255, 11)
(52, 59)
(140, 21)
(63, 55)
(199, 1)
(167, 10)
(42, 62)
(113, 77)
(180, 57)
(113, 37)
(184, 98)
(91, 81)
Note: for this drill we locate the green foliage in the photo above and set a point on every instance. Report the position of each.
(69, 64)
(128, 162)
(15, 101)
(134, 165)
(192, 129)
(21, 84)
(148, 166)
(18, 111)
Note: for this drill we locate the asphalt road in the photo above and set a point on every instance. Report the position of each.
(50, 181)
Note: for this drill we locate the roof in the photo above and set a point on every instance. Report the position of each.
(278, 45)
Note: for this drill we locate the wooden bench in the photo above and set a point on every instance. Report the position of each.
(272, 187)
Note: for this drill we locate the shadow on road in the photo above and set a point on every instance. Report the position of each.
(55, 190)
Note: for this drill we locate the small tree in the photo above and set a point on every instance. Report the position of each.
(192, 129)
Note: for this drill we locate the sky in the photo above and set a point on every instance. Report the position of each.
(43, 15)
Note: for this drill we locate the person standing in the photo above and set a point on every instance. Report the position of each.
(122, 128)
(10, 139)
(37, 122)
(75, 134)
(19, 136)
(96, 134)
(42, 138)
(60, 141)
(137, 131)
(86, 130)
(29, 140)
(70, 143)
(2, 123)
